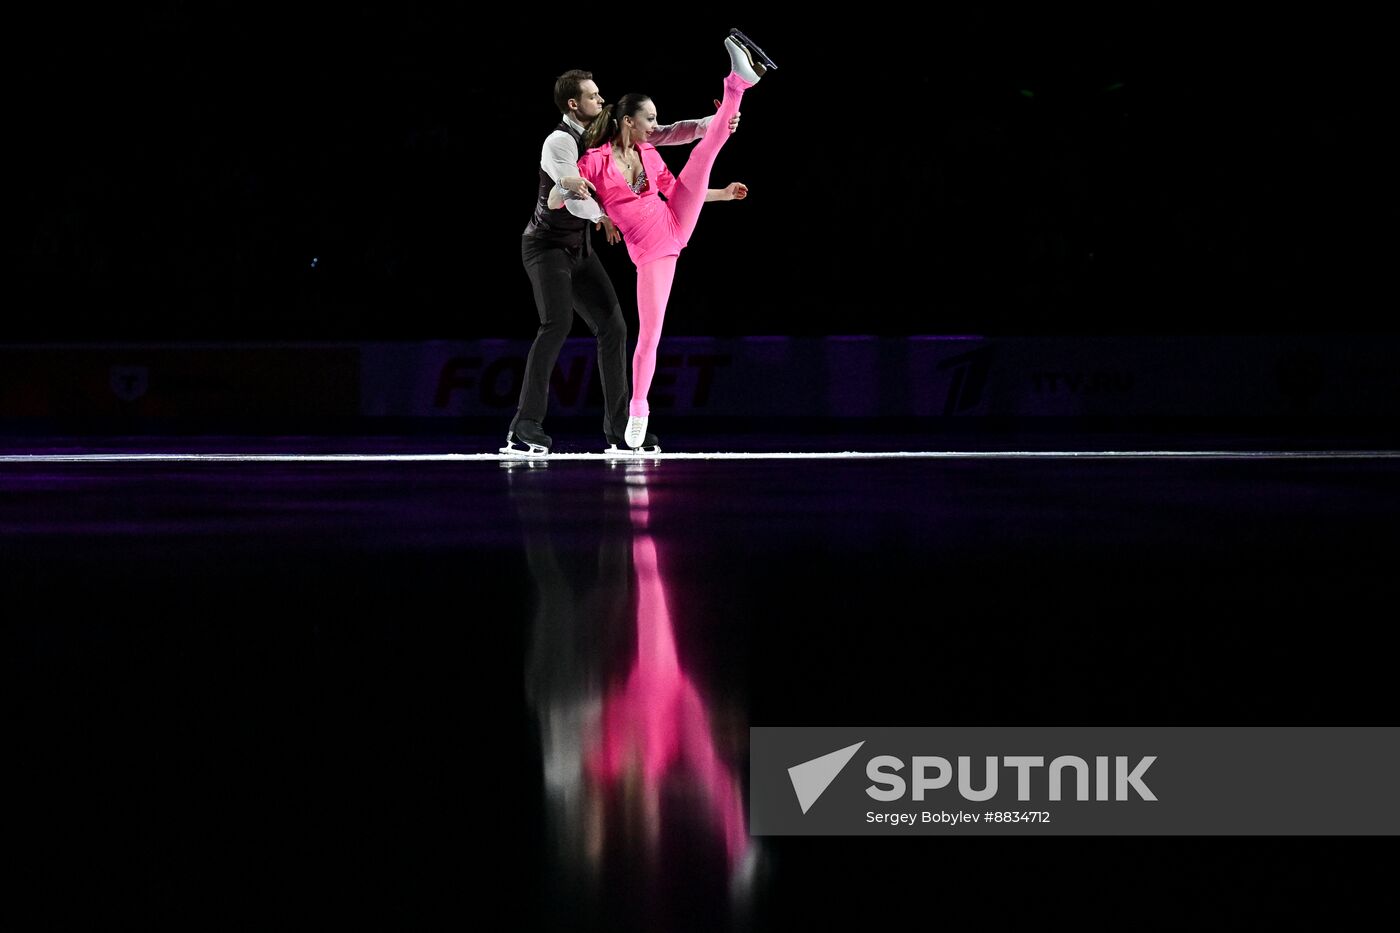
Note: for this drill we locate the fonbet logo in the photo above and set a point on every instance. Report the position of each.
(932, 772)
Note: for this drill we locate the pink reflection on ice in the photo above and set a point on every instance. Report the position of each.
(655, 724)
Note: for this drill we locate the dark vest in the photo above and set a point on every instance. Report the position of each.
(558, 227)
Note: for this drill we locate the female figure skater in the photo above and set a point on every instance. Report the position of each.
(627, 174)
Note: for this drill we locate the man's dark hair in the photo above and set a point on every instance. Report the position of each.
(568, 86)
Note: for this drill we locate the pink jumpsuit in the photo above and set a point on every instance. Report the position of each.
(655, 231)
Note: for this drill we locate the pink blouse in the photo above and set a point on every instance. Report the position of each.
(648, 227)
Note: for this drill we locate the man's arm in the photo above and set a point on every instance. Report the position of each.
(557, 160)
(678, 134)
(687, 131)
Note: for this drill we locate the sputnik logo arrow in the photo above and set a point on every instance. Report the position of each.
(811, 778)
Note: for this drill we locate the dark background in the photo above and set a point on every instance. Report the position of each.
(994, 168)
(275, 695)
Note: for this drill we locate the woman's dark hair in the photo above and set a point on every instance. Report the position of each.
(605, 126)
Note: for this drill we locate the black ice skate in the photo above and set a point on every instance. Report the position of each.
(527, 439)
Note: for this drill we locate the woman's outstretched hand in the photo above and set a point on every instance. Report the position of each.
(734, 191)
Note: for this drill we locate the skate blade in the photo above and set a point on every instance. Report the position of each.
(625, 452)
(526, 453)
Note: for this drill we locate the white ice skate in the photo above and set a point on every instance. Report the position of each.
(636, 432)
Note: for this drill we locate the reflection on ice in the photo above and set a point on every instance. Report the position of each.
(644, 789)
